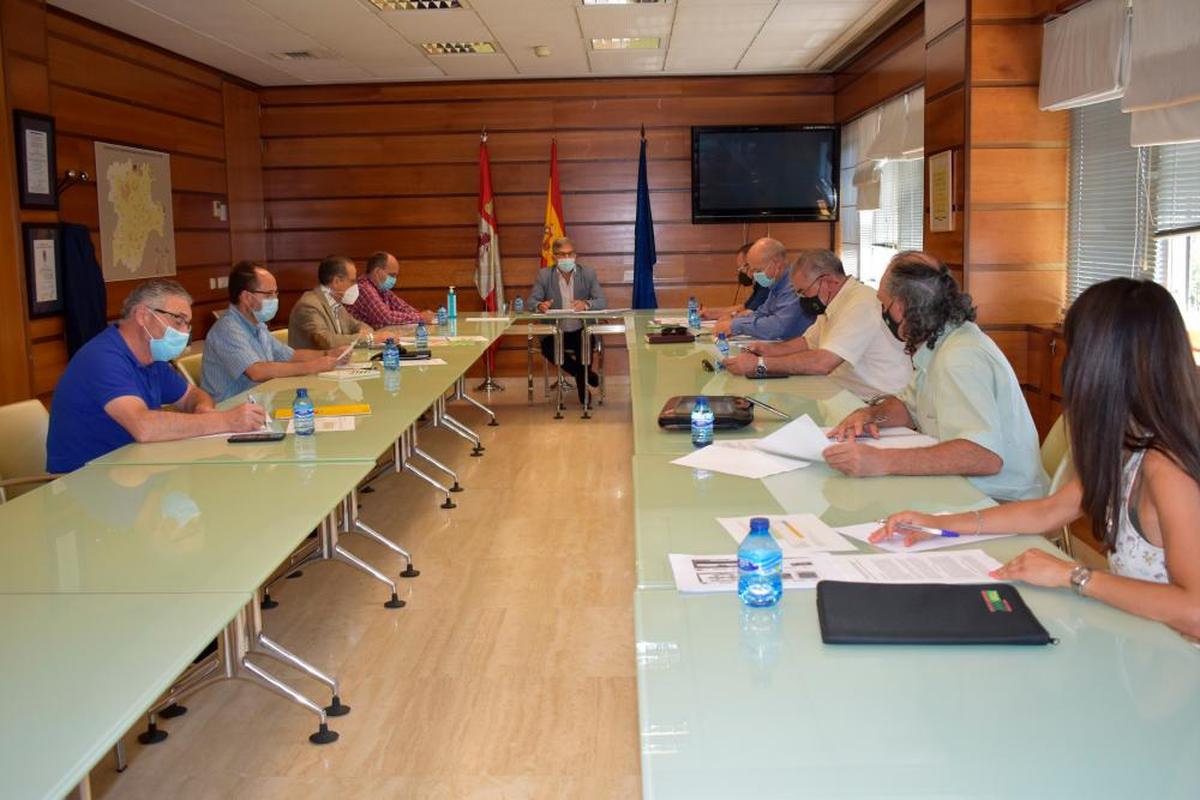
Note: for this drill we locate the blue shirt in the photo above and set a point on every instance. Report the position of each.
(103, 370)
(757, 297)
(779, 316)
(232, 346)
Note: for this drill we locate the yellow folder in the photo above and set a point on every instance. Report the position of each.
(344, 410)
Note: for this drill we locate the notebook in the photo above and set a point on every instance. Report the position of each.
(925, 613)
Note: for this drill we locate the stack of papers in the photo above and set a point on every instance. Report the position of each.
(739, 458)
(719, 573)
(328, 425)
(797, 534)
(896, 544)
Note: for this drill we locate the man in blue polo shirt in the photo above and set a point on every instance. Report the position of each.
(780, 316)
(113, 391)
(239, 352)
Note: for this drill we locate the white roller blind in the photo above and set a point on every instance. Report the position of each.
(1109, 225)
(1175, 179)
(1085, 56)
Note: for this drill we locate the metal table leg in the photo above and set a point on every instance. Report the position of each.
(83, 791)
(558, 360)
(585, 358)
(351, 522)
(404, 450)
(443, 419)
(460, 393)
(529, 361)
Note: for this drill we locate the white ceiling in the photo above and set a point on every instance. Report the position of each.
(356, 42)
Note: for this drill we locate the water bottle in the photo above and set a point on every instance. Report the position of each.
(391, 355)
(518, 305)
(303, 414)
(760, 566)
(442, 316)
(693, 314)
(702, 423)
(452, 304)
(722, 345)
(422, 336)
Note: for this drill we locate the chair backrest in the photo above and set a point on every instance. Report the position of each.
(1054, 448)
(189, 367)
(280, 334)
(23, 428)
(219, 312)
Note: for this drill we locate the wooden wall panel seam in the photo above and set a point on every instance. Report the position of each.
(962, 23)
(66, 37)
(75, 87)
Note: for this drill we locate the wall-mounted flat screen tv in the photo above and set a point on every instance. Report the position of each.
(764, 172)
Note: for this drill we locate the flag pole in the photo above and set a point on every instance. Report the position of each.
(490, 384)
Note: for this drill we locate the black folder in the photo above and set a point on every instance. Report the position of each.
(925, 613)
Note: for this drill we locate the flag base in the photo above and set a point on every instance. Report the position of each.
(489, 385)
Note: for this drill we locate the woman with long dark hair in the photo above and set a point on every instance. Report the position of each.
(1131, 398)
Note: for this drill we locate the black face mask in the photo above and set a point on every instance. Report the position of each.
(892, 325)
(813, 306)
(744, 278)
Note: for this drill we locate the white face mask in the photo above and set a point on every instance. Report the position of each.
(350, 296)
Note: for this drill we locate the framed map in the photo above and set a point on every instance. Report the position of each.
(137, 229)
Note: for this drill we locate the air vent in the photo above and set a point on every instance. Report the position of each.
(457, 48)
(415, 5)
(296, 55)
(628, 43)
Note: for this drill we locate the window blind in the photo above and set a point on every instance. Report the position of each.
(1175, 184)
(1108, 222)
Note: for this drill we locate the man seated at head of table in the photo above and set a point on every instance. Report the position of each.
(114, 389)
(963, 393)
(573, 287)
(379, 306)
(320, 319)
(239, 351)
(758, 292)
(848, 342)
(780, 316)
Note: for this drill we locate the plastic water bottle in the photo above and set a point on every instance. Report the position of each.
(693, 314)
(518, 305)
(722, 345)
(760, 566)
(442, 316)
(303, 414)
(702, 423)
(422, 336)
(391, 355)
(452, 304)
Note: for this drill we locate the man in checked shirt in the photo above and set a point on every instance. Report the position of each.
(377, 305)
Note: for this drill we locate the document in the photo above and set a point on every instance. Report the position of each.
(797, 534)
(894, 438)
(732, 459)
(349, 374)
(801, 438)
(423, 362)
(719, 573)
(956, 566)
(896, 543)
(328, 424)
(488, 319)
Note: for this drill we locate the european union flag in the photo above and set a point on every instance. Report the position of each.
(644, 256)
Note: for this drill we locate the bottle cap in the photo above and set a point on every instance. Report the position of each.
(301, 392)
(390, 341)
(760, 525)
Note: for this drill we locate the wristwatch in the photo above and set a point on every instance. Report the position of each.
(1079, 578)
(761, 369)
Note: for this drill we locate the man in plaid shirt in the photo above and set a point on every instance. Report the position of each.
(377, 305)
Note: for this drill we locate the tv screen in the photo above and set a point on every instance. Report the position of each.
(769, 172)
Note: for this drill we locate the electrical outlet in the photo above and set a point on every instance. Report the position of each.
(220, 211)
(627, 276)
(223, 282)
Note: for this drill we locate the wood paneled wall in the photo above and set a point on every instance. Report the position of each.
(891, 65)
(354, 169)
(102, 85)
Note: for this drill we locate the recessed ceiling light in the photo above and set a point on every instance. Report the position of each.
(455, 48)
(628, 43)
(415, 5)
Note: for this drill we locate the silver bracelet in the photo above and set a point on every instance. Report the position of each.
(978, 522)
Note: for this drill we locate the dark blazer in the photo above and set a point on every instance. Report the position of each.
(584, 283)
(85, 298)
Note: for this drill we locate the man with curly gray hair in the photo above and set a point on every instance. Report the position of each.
(963, 393)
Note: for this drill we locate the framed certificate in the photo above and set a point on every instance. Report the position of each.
(36, 169)
(43, 268)
(941, 192)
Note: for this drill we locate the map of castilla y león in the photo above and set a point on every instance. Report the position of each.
(137, 231)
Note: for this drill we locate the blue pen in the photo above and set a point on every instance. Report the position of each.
(923, 529)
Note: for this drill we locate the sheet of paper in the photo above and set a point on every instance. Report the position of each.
(894, 438)
(954, 566)
(350, 374)
(466, 339)
(719, 573)
(740, 461)
(426, 362)
(488, 319)
(896, 545)
(797, 534)
(671, 321)
(329, 424)
(801, 438)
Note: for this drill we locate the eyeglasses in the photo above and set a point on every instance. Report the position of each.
(179, 319)
(565, 254)
(271, 293)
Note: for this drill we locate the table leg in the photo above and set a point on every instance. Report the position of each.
(406, 464)
(558, 359)
(529, 362)
(351, 522)
(585, 358)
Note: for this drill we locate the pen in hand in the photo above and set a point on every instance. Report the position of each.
(906, 526)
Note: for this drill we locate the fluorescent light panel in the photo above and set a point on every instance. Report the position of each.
(456, 48)
(415, 5)
(627, 43)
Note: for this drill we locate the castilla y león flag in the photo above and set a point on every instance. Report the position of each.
(488, 277)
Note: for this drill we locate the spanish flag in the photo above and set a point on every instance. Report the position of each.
(554, 215)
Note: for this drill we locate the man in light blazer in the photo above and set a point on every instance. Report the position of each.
(571, 286)
(319, 320)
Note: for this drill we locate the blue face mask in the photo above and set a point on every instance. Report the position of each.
(270, 306)
(389, 283)
(567, 265)
(170, 345)
(763, 280)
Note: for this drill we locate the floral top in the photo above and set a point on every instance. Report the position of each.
(1132, 556)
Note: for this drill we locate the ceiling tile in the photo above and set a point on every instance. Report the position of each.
(473, 65)
(620, 62)
(355, 32)
(714, 37)
(443, 25)
(631, 20)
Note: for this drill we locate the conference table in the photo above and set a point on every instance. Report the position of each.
(114, 577)
(740, 702)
